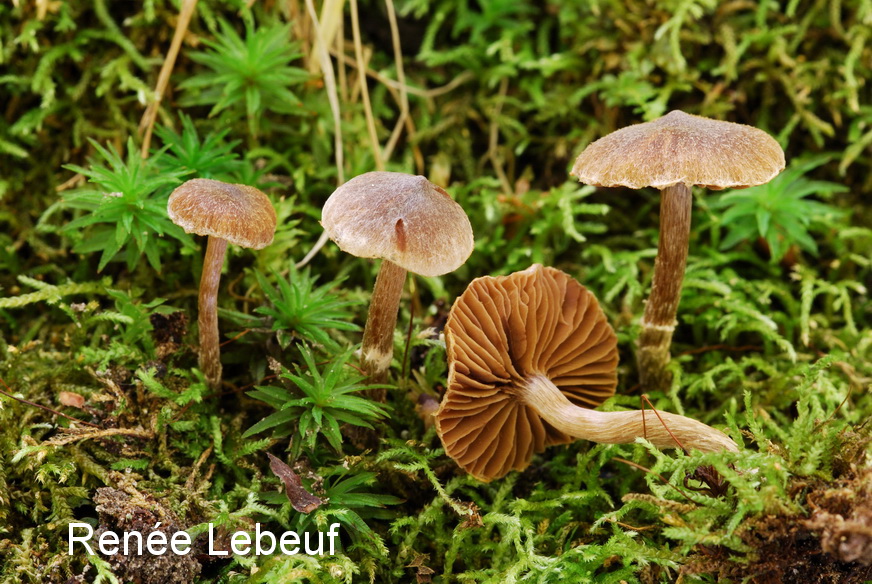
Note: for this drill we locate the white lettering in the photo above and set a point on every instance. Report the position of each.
(83, 540)
(108, 543)
(258, 538)
(294, 541)
(316, 551)
(185, 541)
(157, 548)
(332, 536)
(243, 539)
(212, 550)
(127, 537)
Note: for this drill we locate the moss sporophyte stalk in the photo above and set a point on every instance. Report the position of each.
(259, 542)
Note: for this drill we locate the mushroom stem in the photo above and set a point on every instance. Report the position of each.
(378, 334)
(540, 393)
(210, 351)
(658, 322)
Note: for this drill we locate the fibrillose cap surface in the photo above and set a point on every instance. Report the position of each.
(241, 214)
(681, 148)
(402, 218)
(501, 331)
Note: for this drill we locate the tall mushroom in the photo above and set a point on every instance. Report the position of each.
(671, 154)
(528, 355)
(412, 225)
(224, 212)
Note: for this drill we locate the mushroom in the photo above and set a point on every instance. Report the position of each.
(528, 355)
(671, 154)
(412, 225)
(224, 212)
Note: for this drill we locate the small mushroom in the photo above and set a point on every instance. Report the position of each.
(224, 212)
(673, 153)
(412, 225)
(528, 355)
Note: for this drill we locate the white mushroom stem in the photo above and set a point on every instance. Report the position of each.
(210, 351)
(658, 322)
(378, 334)
(540, 393)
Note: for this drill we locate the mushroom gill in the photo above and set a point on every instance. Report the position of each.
(529, 355)
(503, 331)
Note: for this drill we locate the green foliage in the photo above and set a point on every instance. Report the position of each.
(49, 293)
(130, 325)
(300, 309)
(135, 316)
(530, 226)
(127, 212)
(617, 272)
(323, 399)
(779, 211)
(501, 96)
(757, 484)
(212, 157)
(194, 392)
(355, 508)
(729, 305)
(252, 74)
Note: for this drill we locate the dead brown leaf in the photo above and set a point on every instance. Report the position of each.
(301, 499)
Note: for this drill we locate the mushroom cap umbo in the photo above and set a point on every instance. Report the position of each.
(681, 148)
(241, 214)
(401, 218)
(503, 330)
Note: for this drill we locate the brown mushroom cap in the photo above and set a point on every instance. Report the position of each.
(241, 214)
(500, 332)
(681, 148)
(401, 218)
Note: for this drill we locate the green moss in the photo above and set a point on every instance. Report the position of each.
(774, 340)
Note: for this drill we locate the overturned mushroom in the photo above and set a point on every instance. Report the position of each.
(528, 355)
(412, 225)
(238, 214)
(672, 154)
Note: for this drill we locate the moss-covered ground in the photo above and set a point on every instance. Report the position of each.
(106, 420)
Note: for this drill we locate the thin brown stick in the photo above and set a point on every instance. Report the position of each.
(330, 85)
(146, 125)
(240, 335)
(742, 349)
(330, 19)
(342, 77)
(832, 416)
(657, 474)
(42, 407)
(322, 241)
(72, 182)
(401, 78)
(632, 527)
(364, 90)
(494, 138)
(252, 384)
(645, 399)
(417, 92)
(326, 65)
(189, 484)
(102, 433)
(406, 365)
(394, 89)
